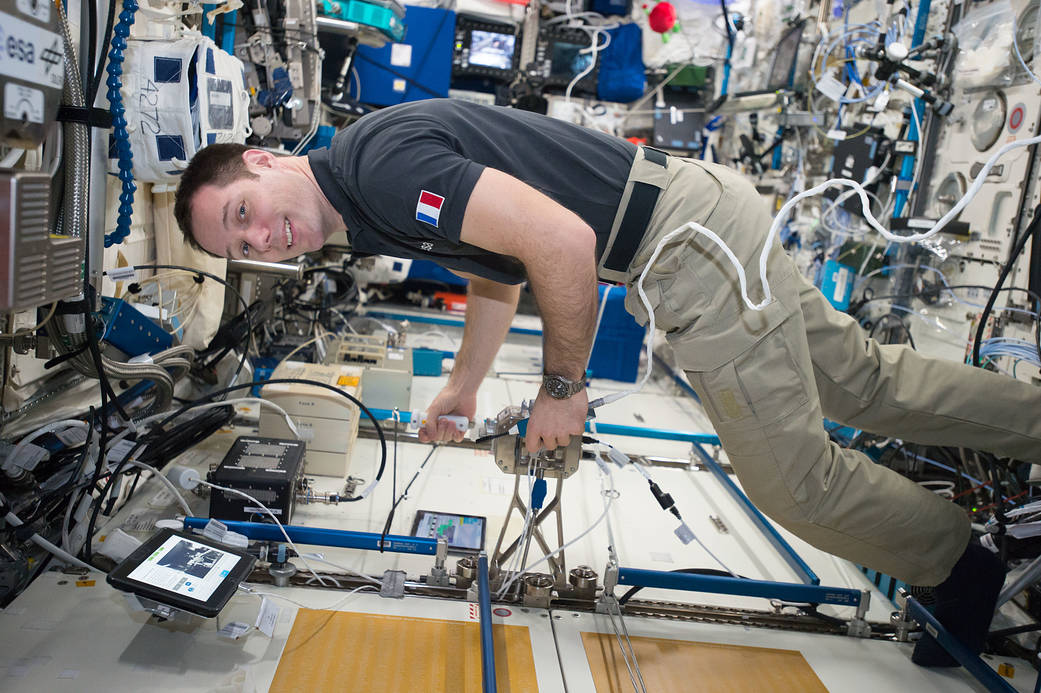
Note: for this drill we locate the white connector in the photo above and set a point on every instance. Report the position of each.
(418, 419)
(185, 477)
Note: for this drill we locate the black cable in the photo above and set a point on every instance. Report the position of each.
(92, 46)
(393, 489)
(900, 321)
(944, 287)
(95, 82)
(404, 494)
(211, 397)
(1016, 630)
(1021, 243)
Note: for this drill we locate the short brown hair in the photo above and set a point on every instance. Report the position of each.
(217, 164)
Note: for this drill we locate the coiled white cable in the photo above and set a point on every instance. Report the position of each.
(775, 227)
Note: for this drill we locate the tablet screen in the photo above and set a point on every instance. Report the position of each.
(186, 568)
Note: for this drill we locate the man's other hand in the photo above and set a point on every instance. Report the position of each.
(448, 401)
(554, 421)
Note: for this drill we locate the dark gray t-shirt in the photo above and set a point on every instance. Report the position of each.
(401, 177)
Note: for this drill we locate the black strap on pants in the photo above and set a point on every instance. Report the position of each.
(637, 215)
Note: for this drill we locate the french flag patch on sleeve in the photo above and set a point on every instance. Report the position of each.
(428, 208)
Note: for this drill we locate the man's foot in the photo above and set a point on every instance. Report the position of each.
(965, 603)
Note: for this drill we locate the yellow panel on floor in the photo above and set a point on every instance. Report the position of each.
(678, 665)
(338, 651)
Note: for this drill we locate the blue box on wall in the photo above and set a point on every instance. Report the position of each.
(420, 67)
(616, 350)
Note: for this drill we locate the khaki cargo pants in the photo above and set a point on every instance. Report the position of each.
(767, 378)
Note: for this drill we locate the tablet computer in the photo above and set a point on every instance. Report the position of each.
(185, 571)
(464, 533)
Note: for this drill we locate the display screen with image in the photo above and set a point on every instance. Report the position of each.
(492, 49)
(567, 59)
(185, 567)
(462, 532)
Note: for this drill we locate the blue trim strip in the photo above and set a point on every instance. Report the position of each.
(907, 164)
(655, 433)
(787, 591)
(227, 39)
(793, 559)
(209, 29)
(441, 321)
(979, 669)
(484, 602)
(319, 536)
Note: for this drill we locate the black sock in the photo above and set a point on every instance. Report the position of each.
(965, 604)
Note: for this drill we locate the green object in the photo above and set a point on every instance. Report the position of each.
(692, 76)
(387, 18)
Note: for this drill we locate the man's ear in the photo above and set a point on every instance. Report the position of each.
(258, 159)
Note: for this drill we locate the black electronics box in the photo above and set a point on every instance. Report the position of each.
(268, 469)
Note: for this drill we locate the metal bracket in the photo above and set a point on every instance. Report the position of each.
(858, 626)
(438, 575)
(393, 586)
(556, 563)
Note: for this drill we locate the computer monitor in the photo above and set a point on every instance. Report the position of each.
(484, 49)
(567, 59)
(464, 533)
(492, 49)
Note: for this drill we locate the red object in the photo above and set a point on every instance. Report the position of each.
(451, 301)
(662, 18)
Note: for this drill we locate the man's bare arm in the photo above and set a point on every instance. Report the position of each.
(558, 250)
(490, 307)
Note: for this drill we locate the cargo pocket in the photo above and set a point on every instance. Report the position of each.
(772, 384)
(673, 290)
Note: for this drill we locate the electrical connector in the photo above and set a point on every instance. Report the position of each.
(664, 500)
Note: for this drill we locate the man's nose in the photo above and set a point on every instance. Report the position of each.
(259, 236)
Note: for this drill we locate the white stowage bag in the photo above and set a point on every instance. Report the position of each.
(179, 96)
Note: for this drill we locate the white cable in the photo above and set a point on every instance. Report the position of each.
(15, 521)
(1015, 45)
(273, 595)
(345, 569)
(514, 564)
(272, 515)
(166, 482)
(9, 463)
(775, 227)
(610, 496)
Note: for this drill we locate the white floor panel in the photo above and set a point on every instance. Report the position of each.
(60, 637)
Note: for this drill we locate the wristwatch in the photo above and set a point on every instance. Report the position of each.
(559, 387)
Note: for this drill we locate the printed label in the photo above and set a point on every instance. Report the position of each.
(29, 53)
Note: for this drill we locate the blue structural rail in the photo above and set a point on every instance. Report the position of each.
(319, 536)
(990, 679)
(786, 591)
(655, 433)
(785, 549)
(484, 602)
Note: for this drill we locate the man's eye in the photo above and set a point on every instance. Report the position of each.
(245, 250)
(242, 211)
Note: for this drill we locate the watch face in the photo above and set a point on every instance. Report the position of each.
(556, 388)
